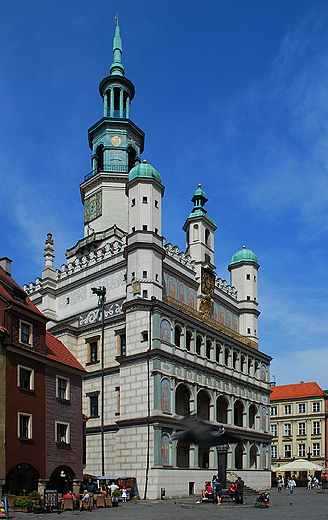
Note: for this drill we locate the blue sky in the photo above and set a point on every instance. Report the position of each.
(230, 94)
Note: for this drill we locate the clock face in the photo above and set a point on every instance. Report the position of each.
(115, 140)
(92, 207)
(208, 283)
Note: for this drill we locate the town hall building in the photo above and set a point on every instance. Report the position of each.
(159, 333)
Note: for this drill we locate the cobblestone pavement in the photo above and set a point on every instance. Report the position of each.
(303, 504)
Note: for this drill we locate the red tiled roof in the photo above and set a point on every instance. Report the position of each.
(295, 391)
(57, 351)
(9, 281)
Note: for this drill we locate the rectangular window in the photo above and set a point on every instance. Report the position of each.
(133, 229)
(301, 428)
(316, 406)
(287, 429)
(316, 428)
(133, 202)
(118, 400)
(144, 200)
(273, 452)
(25, 378)
(287, 450)
(62, 433)
(301, 408)
(156, 203)
(248, 276)
(316, 449)
(25, 333)
(93, 346)
(122, 338)
(301, 450)
(62, 385)
(288, 409)
(145, 294)
(274, 430)
(144, 227)
(274, 410)
(144, 274)
(24, 426)
(94, 406)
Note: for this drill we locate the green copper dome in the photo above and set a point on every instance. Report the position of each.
(244, 255)
(144, 170)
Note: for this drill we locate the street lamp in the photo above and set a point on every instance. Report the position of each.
(101, 293)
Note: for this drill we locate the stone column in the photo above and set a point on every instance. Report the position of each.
(105, 104)
(222, 463)
(157, 446)
(247, 456)
(173, 450)
(121, 104)
(111, 102)
(174, 383)
(195, 461)
(127, 108)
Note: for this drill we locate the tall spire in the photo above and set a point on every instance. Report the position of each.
(116, 68)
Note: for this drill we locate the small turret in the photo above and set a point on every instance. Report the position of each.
(243, 275)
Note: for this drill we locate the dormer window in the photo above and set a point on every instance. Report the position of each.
(26, 333)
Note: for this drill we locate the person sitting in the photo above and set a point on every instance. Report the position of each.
(202, 496)
(84, 499)
(233, 490)
(69, 494)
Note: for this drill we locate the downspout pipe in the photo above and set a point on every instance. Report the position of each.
(153, 298)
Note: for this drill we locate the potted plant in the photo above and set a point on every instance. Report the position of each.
(35, 497)
(115, 496)
(22, 504)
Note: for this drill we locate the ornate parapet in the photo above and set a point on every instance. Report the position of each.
(210, 321)
(79, 263)
(229, 289)
(180, 256)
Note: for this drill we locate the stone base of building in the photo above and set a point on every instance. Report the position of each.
(183, 482)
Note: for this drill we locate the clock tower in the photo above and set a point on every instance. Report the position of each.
(116, 144)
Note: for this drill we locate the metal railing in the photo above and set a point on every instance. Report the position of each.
(108, 168)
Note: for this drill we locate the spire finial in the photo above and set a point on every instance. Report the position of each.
(116, 68)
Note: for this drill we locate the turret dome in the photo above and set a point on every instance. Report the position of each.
(146, 171)
(244, 255)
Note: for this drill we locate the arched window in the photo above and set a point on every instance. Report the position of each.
(234, 359)
(239, 456)
(182, 454)
(131, 157)
(238, 413)
(217, 353)
(198, 345)
(226, 356)
(195, 233)
(249, 366)
(208, 349)
(177, 335)
(207, 237)
(203, 405)
(100, 158)
(221, 410)
(242, 363)
(188, 340)
(251, 416)
(182, 398)
(253, 457)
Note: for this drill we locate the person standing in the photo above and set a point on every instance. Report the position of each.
(309, 480)
(279, 484)
(292, 484)
(219, 490)
(240, 491)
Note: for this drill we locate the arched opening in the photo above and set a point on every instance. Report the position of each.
(131, 157)
(182, 454)
(253, 457)
(222, 410)
(207, 237)
(239, 456)
(100, 158)
(22, 476)
(234, 359)
(61, 479)
(238, 413)
(251, 416)
(203, 457)
(256, 368)
(217, 353)
(195, 233)
(182, 400)
(203, 405)
(208, 349)
(249, 366)
(198, 345)
(188, 340)
(226, 356)
(242, 363)
(177, 335)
